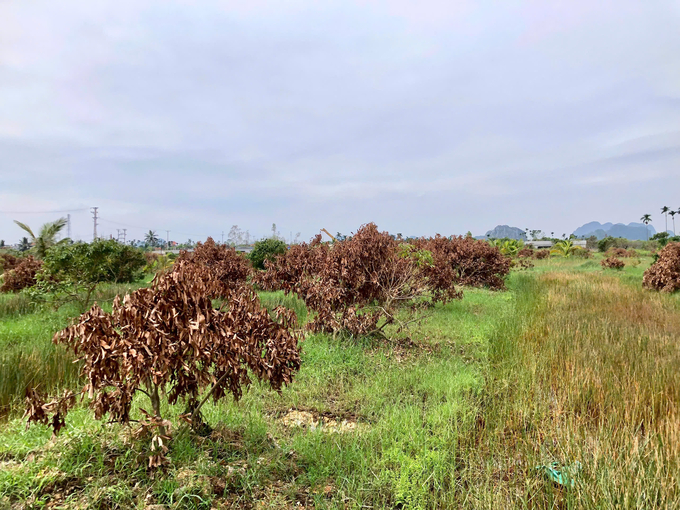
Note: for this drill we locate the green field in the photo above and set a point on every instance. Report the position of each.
(571, 364)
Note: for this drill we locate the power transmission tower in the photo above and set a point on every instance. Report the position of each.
(124, 235)
(118, 234)
(94, 217)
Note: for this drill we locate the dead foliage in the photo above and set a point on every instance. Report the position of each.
(664, 274)
(354, 283)
(22, 276)
(521, 264)
(612, 263)
(168, 339)
(8, 261)
(227, 269)
(39, 411)
(526, 253)
(621, 252)
(151, 257)
(473, 262)
(542, 254)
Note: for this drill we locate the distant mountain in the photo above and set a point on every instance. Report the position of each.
(503, 231)
(633, 231)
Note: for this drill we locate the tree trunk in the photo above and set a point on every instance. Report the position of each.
(155, 399)
(156, 404)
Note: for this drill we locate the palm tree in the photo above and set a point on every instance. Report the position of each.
(664, 210)
(24, 245)
(673, 213)
(46, 237)
(151, 238)
(646, 219)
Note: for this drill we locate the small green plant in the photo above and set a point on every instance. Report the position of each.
(565, 248)
(266, 249)
(72, 272)
(508, 247)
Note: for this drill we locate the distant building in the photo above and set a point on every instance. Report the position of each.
(549, 244)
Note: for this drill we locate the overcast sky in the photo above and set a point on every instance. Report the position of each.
(424, 117)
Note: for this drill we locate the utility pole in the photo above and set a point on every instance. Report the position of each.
(118, 234)
(68, 222)
(94, 217)
(167, 240)
(223, 237)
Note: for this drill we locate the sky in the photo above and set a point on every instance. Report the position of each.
(423, 117)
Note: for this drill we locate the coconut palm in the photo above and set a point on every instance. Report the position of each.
(665, 210)
(24, 245)
(151, 238)
(646, 219)
(46, 237)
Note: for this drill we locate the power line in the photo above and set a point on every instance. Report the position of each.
(44, 212)
(145, 228)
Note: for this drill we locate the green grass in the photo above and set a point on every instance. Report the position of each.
(570, 363)
(28, 358)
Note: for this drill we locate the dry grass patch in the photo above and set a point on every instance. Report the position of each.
(587, 371)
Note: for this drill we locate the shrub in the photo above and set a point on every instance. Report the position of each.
(542, 254)
(526, 253)
(521, 263)
(604, 244)
(72, 272)
(621, 252)
(22, 276)
(354, 283)
(227, 268)
(663, 238)
(581, 253)
(664, 274)
(267, 249)
(8, 261)
(474, 263)
(170, 338)
(508, 247)
(612, 263)
(99, 261)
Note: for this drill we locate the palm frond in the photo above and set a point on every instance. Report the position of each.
(26, 228)
(49, 230)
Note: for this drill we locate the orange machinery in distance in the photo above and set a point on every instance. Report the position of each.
(328, 234)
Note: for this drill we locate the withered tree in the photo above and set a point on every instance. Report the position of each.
(354, 284)
(472, 262)
(664, 274)
(168, 339)
(20, 273)
(226, 268)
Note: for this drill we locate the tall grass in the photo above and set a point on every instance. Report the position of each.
(28, 358)
(12, 305)
(585, 370)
